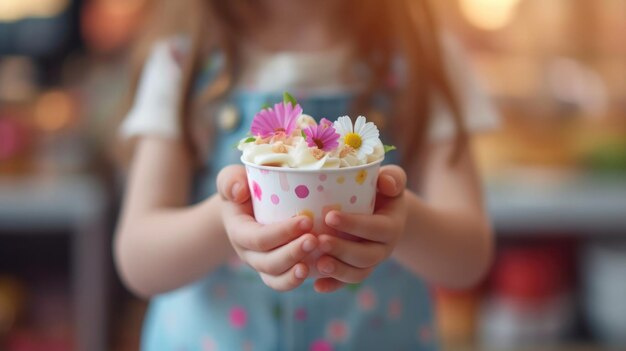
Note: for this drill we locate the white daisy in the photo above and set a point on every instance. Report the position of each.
(363, 138)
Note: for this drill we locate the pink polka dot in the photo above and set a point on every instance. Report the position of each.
(321, 345)
(208, 344)
(238, 317)
(275, 199)
(265, 171)
(424, 334)
(337, 331)
(323, 177)
(247, 346)
(256, 191)
(302, 191)
(395, 309)
(353, 199)
(320, 188)
(367, 299)
(300, 314)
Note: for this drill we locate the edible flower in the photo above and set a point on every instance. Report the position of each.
(279, 120)
(362, 137)
(322, 136)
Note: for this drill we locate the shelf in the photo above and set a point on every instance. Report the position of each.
(540, 202)
(533, 202)
(43, 202)
(559, 347)
(76, 203)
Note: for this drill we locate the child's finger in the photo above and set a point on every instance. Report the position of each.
(288, 280)
(370, 227)
(232, 184)
(362, 254)
(333, 268)
(391, 180)
(280, 260)
(253, 236)
(327, 285)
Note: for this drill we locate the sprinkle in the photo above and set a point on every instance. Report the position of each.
(345, 151)
(279, 148)
(317, 153)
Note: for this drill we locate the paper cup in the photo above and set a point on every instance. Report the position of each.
(281, 193)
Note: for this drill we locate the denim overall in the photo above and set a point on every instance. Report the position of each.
(231, 309)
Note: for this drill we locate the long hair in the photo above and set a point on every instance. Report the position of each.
(382, 33)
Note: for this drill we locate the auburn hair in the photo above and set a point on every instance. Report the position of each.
(382, 33)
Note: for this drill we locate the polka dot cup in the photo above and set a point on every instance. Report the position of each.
(281, 193)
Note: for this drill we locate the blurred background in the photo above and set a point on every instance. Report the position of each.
(554, 175)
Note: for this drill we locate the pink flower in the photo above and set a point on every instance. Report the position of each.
(275, 121)
(256, 190)
(322, 136)
(238, 317)
(326, 123)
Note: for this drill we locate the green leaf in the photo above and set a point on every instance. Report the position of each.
(249, 140)
(287, 98)
(353, 287)
(265, 106)
(389, 148)
(303, 135)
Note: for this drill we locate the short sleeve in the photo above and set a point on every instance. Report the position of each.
(154, 111)
(477, 110)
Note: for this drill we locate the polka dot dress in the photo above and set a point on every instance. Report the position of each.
(231, 309)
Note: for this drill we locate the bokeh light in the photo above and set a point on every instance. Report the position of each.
(489, 14)
(53, 110)
(108, 25)
(15, 10)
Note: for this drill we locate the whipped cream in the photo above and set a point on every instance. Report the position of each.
(299, 156)
(296, 156)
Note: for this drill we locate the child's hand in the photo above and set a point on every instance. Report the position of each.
(274, 250)
(347, 261)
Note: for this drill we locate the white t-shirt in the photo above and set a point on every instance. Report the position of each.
(154, 111)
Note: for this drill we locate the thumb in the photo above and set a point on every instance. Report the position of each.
(232, 184)
(391, 180)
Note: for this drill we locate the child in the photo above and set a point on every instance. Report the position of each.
(212, 65)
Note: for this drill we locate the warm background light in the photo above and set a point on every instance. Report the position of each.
(15, 10)
(108, 25)
(489, 14)
(53, 110)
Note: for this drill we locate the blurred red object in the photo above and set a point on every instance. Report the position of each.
(15, 144)
(530, 301)
(12, 138)
(529, 274)
(30, 341)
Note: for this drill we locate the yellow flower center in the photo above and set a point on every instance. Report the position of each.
(353, 140)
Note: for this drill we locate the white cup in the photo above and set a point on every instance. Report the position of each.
(279, 193)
